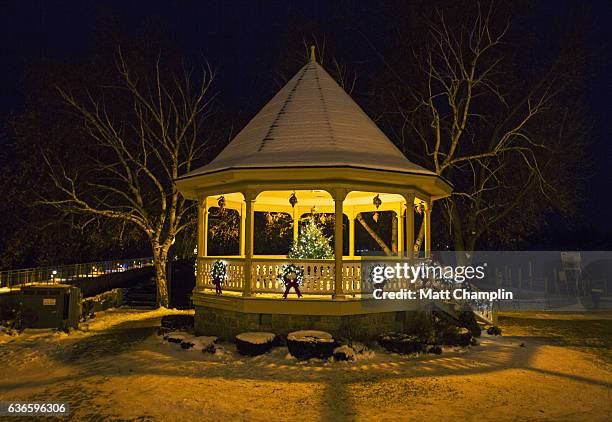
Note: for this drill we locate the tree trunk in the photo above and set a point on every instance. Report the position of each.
(160, 259)
(459, 238)
(374, 235)
(420, 237)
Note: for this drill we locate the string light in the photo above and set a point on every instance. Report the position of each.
(311, 244)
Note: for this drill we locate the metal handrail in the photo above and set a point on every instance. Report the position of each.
(68, 273)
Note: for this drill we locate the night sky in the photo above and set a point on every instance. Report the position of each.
(243, 40)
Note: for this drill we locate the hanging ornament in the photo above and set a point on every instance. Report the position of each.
(269, 217)
(377, 201)
(221, 202)
(293, 200)
(323, 218)
(314, 210)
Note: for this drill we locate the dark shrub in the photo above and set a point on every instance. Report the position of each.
(435, 349)
(311, 344)
(211, 348)
(344, 353)
(253, 344)
(422, 326)
(177, 322)
(494, 330)
(454, 336)
(467, 319)
(401, 343)
(187, 345)
(446, 334)
(465, 337)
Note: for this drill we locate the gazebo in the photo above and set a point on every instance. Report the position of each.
(310, 147)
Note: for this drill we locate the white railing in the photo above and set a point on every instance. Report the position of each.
(234, 273)
(355, 281)
(351, 278)
(318, 275)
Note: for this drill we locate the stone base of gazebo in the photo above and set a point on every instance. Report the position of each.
(359, 319)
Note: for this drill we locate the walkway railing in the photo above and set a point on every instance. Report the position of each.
(68, 273)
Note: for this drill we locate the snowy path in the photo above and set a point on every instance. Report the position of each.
(70, 368)
(120, 370)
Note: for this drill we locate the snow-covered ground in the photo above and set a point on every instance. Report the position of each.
(116, 367)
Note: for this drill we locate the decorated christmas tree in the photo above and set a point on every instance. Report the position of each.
(311, 243)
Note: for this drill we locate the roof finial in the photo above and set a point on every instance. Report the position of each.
(312, 54)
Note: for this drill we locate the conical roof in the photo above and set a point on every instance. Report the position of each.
(311, 122)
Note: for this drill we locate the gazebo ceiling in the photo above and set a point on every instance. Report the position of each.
(311, 126)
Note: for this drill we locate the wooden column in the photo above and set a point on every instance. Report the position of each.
(296, 223)
(204, 239)
(200, 239)
(249, 228)
(352, 233)
(242, 229)
(400, 231)
(339, 196)
(409, 224)
(428, 229)
(201, 235)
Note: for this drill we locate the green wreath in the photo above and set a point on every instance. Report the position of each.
(288, 269)
(218, 271)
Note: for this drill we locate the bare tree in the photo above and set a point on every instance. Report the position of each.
(506, 145)
(139, 144)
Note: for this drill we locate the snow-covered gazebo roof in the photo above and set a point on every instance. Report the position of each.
(315, 129)
(311, 122)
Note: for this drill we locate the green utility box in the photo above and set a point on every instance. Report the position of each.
(50, 306)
